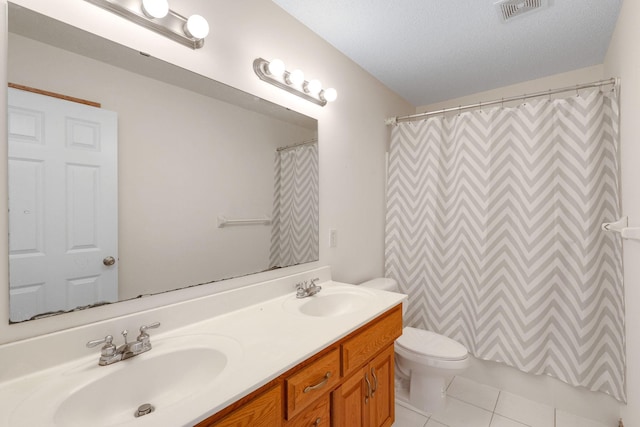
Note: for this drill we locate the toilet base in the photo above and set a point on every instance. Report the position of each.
(424, 394)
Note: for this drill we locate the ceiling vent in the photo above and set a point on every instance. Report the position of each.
(510, 9)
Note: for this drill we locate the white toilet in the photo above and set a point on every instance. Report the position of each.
(424, 361)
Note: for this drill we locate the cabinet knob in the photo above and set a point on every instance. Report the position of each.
(317, 422)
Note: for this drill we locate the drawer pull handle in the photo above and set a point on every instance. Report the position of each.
(375, 382)
(317, 422)
(324, 381)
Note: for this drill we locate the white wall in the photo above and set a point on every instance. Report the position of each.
(623, 60)
(351, 130)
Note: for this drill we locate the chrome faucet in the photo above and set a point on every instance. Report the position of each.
(307, 288)
(110, 354)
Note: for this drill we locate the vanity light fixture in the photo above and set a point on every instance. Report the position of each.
(155, 15)
(274, 72)
(155, 8)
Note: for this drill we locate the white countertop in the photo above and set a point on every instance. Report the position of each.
(266, 340)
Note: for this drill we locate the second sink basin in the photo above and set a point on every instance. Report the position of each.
(331, 302)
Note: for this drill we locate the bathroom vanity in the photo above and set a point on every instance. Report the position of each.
(252, 356)
(349, 383)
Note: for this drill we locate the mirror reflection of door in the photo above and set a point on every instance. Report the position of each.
(63, 211)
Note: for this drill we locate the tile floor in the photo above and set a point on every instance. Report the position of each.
(471, 404)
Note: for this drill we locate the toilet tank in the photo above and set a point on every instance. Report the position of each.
(386, 284)
(382, 283)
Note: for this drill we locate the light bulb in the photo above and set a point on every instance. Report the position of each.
(329, 94)
(296, 77)
(276, 67)
(313, 87)
(196, 27)
(155, 8)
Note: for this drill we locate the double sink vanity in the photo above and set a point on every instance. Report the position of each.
(253, 356)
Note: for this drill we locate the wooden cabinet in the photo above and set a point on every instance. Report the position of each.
(382, 401)
(349, 406)
(311, 382)
(264, 410)
(348, 384)
(366, 398)
(378, 335)
(316, 415)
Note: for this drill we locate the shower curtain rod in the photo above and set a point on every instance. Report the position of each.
(298, 144)
(395, 120)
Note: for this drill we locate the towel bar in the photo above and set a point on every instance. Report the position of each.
(223, 221)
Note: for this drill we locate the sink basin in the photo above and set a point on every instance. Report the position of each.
(175, 369)
(330, 302)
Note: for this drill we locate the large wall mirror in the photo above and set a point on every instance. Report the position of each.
(166, 180)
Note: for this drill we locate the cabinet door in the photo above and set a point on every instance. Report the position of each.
(351, 402)
(263, 411)
(382, 402)
(367, 398)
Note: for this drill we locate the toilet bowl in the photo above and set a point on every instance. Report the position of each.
(424, 361)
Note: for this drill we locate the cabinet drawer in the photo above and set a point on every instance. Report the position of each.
(316, 415)
(311, 382)
(358, 350)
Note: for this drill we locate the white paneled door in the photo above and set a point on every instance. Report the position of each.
(63, 204)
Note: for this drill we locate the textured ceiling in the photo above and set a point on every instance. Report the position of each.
(433, 50)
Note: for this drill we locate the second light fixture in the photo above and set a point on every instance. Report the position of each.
(275, 72)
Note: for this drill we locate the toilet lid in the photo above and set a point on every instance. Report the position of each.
(430, 344)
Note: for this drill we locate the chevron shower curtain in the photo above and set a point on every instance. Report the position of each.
(294, 230)
(493, 229)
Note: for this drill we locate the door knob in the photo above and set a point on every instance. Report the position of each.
(108, 261)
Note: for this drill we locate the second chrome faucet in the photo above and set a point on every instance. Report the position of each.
(110, 354)
(307, 288)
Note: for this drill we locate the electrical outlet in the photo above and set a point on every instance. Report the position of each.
(333, 238)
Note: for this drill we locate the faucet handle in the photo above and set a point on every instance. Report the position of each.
(106, 340)
(143, 330)
(108, 349)
(144, 338)
(314, 281)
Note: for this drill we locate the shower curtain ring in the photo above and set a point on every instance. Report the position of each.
(459, 109)
(577, 93)
(502, 103)
(549, 94)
